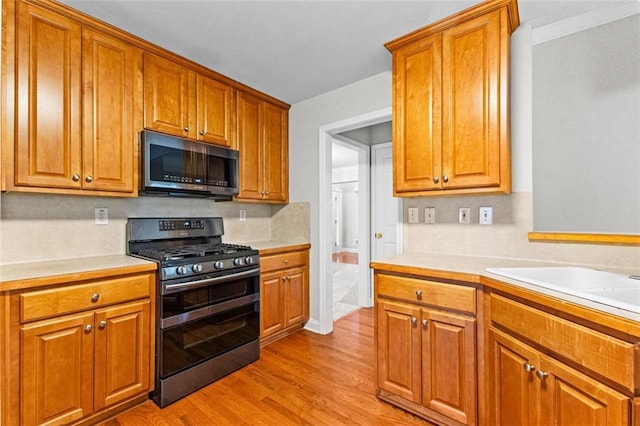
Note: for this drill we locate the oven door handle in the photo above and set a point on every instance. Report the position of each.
(208, 311)
(172, 288)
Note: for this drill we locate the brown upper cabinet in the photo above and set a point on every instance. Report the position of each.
(182, 102)
(75, 126)
(451, 103)
(263, 145)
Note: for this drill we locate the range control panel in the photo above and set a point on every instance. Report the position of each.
(175, 225)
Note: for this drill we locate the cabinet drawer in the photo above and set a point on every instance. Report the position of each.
(433, 293)
(74, 298)
(596, 351)
(281, 261)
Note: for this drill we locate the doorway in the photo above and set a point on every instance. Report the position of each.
(327, 134)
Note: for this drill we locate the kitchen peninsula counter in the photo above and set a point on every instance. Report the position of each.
(20, 276)
(472, 269)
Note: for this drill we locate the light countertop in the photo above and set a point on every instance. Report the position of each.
(21, 275)
(472, 268)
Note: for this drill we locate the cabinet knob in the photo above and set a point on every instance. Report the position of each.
(286, 261)
(186, 129)
(529, 367)
(95, 297)
(419, 293)
(445, 178)
(102, 324)
(89, 179)
(424, 322)
(378, 235)
(414, 320)
(75, 177)
(88, 328)
(201, 132)
(542, 374)
(436, 179)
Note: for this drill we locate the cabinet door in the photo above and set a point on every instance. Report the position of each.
(398, 349)
(47, 152)
(271, 303)
(169, 97)
(449, 365)
(249, 116)
(471, 59)
(296, 299)
(276, 154)
(514, 386)
(56, 370)
(417, 115)
(122, 348)
(109, 137)
(570, 398)
(214, 109)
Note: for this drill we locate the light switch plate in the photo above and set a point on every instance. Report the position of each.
(429, 215)
(464, 215)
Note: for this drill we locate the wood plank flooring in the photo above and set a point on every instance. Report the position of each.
(303, 379)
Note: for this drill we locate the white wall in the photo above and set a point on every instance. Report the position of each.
(305, 118)
(504, 240)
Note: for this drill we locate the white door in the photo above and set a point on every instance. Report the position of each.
(336, 217)
(386, 209)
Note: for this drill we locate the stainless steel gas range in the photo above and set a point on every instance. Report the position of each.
(208, 321)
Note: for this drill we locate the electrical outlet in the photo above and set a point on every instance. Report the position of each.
(102, 216)
(429, 215)
(486, 215)
(413, 214)
(243, 215)
(464, 215)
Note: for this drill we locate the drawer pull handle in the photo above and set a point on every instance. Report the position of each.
(424, 322)
(529, 367)
(95, 297)
(88, 328)
(414, 320)
(102, 324)
(419, 293)
(542, 374)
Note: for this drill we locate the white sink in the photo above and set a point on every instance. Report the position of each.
(604, 287)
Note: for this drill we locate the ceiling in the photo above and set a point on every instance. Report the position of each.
(296, 49)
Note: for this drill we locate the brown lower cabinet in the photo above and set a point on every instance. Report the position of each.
(284, 292)
(532, 389)
(426, 347)
(462, 349)
(80, 351)
(542, 369)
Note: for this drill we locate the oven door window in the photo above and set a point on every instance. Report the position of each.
(193, 342)
(189, 300)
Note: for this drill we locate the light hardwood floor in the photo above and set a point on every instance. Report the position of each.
(303, 379)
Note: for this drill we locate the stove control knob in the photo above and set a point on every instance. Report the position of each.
(181, 270)
(238, 261)
(196, 268)
(218, 264)
(248, 260)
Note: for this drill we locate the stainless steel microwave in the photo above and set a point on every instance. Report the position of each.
(170, 165)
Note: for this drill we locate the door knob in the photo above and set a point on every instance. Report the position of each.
(378, 235)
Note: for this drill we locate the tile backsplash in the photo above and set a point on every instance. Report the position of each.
(43, 226)
(507, 237)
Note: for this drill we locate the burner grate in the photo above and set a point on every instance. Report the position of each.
(189, 251)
